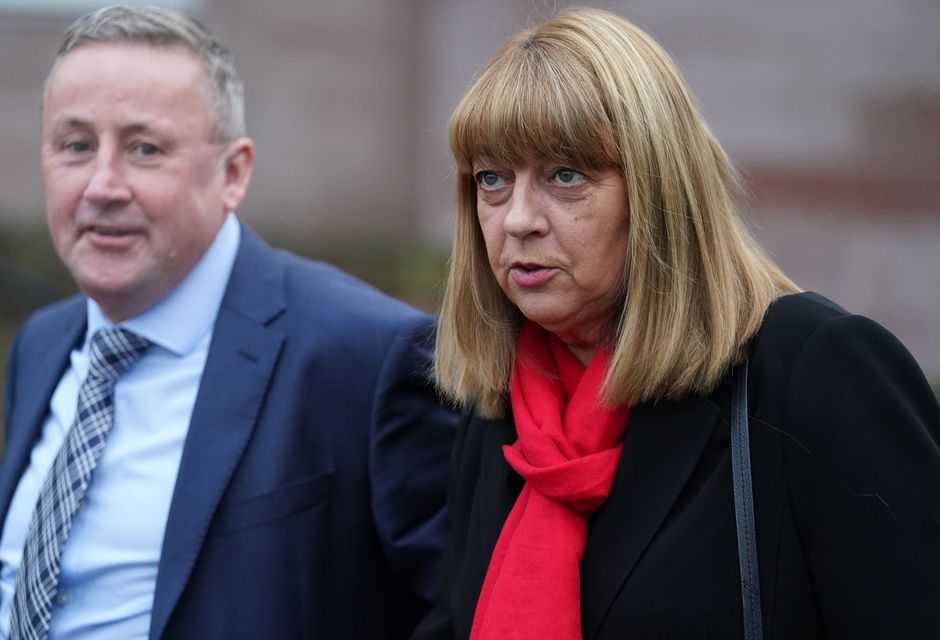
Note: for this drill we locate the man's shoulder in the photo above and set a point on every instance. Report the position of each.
(325, 289)
(56, 317)
(318, 288)
(343, 319)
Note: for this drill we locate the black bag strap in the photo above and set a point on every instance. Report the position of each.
(744, 507)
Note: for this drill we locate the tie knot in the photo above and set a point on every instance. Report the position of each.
(113, 351)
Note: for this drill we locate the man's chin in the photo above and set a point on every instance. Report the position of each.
(118, 297)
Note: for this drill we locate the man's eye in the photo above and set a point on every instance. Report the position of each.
(566, 176)
(488, 179)
(77, 146)
(146, 149)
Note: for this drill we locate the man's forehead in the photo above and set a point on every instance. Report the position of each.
(127, 50)
(129, 65)
(124, 86)
(124, 56)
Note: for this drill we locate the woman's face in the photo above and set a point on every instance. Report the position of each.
(556, 239)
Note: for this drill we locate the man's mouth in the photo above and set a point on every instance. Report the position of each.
(108, 231)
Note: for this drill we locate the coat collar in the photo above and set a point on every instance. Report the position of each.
(662, 447)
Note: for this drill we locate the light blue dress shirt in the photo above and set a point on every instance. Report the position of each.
(109, 564)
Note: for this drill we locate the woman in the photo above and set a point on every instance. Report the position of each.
(602, 295)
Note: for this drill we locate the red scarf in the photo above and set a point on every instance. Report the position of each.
(567, 450)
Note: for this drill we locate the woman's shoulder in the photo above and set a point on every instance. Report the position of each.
(788, 327)
(797, 315)
(803, 325)
(811, 352)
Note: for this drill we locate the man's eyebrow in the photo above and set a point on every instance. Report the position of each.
(76, 122)
(137, 127)
(70, 122)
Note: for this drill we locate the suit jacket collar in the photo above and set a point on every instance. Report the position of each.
(241, 360)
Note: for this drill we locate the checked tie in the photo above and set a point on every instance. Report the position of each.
(113, 351)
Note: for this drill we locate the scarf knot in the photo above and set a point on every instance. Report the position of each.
(584, 482)
(567, 452)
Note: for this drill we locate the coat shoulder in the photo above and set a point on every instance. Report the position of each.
(53, 319)
(329, 291)
(795, 317)
(807, 327)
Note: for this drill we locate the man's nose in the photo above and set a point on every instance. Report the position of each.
(108, 183)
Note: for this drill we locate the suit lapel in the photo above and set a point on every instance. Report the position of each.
(662, 446)
(241, 360)
(34, 388)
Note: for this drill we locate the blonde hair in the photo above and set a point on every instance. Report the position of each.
(589, 88)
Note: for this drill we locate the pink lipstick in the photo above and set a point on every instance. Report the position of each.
(530, 275)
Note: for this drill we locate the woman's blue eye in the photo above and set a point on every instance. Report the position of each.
(488, 179)
(568, 176)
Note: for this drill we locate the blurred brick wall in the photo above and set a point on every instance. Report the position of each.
(830, 107)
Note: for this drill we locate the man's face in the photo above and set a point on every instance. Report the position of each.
(135, 190)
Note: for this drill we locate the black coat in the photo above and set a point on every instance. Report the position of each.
(845, 447)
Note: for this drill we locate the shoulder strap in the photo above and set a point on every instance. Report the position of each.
(744, 507)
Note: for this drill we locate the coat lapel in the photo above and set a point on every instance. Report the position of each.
(34, 390)
(238, 370)
(662, 446)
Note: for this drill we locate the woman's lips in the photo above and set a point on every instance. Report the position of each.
(530, 275)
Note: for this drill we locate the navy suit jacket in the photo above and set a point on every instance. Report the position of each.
(309, 501)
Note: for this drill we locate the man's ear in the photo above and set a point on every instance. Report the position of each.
(239, 162)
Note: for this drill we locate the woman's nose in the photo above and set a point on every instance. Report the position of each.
(526, 214)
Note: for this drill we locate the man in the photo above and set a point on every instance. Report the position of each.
(216, 440)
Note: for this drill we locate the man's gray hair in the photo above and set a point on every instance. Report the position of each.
(161, 27)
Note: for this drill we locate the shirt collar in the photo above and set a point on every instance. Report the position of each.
(180, 320)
